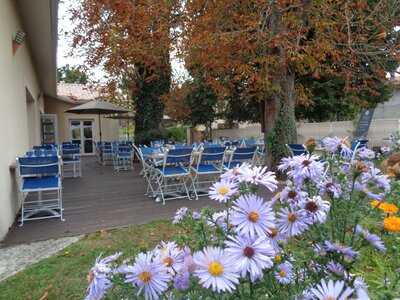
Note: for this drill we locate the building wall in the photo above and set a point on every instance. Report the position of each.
(19, 114)
(110, 127)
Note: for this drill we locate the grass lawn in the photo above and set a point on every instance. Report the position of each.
(63, 276)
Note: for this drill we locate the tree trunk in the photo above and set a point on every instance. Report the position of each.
(279, 121)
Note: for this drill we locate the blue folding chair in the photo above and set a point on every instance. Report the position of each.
(149, 161)
(296, 149)
(239, 156)
(40, 175)
(172, 177)
(208, 166)
(123, 157)
(71, 160)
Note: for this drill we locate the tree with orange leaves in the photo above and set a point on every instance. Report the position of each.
(265, 46)
(132, 40)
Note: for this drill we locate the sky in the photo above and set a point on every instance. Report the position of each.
(64, 56)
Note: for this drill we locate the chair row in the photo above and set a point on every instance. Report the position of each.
(299, 149)
(119, 154)
(187, 172)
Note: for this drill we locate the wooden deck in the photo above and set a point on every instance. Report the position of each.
(101, 199)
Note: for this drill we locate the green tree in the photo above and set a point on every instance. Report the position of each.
(71, 74)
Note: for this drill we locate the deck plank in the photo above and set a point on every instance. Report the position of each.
(101, 199)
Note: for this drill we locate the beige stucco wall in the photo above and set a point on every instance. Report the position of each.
(19, 120)
(110, 127)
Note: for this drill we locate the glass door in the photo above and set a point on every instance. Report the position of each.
(49, 129)
(82, 134)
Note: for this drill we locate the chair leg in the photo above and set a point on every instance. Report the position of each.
(194, 186)
(61, 204)
(185, 186)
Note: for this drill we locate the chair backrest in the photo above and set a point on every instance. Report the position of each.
(157, 143)
(296, 149)
(70, 149)
(124, 149)
(41, 152)
(212, 155)
(179, 156)
(182, 146)
(45, 147)
(38, 166)
(250, 142)
(244, 153)
(212, 145)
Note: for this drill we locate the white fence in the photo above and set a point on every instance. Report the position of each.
(378, 132)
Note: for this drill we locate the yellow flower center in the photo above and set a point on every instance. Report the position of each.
(273, 232)
(282, 273)
(253, 216)
(145, 276)
(215, 269)
(223, 190)
(278, 258)
(168, 261)
(292, 217)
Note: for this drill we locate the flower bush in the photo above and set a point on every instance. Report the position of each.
(304, 242)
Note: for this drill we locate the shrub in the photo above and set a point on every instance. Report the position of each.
(177, 133)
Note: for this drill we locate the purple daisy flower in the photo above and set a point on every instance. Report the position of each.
(346, 251)
(215, 270)
(223, 190)
(336, 268)
(373, 239)
(361, 288)
(180, 215)
(337, 145)
(330, 188)
(170, 255)
(251, 255)
(275, 237)
(331, 290)
(99, 277)
(316, 208)
(252, 216)
(182, 281)
(365, 154)
(196, 215)
(292, 222)
(304, 166)
(284, 273)
(149, 275)
(257, 176)
(291, 195)
(219, 219)
(376, 177)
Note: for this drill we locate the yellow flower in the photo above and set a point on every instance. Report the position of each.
(386, 207)
(389, 208)
(392, 224)
(376, 203)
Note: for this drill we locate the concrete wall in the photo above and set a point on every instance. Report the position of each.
(390, 109)
(378, 133)
(19, 114)
(110, 127)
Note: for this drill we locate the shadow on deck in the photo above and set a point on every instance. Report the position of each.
(101, 199)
